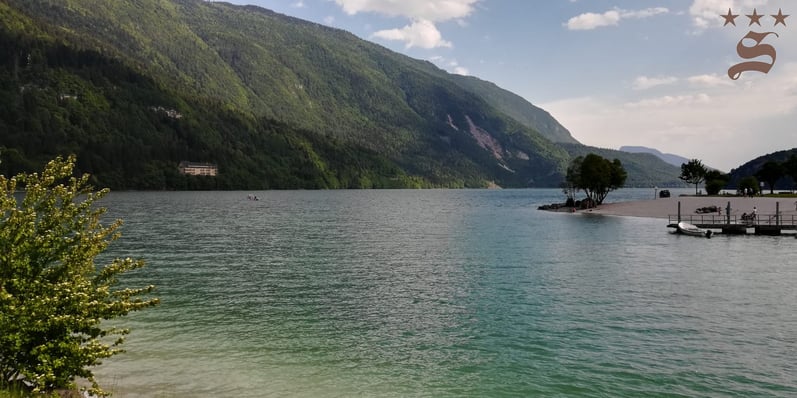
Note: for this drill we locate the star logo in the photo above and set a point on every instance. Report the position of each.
(780, 18)
(729, 19)
(755, 46)
(755, 18)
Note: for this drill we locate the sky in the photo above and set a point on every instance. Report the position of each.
(620, 72)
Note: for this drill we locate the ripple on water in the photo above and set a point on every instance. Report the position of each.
(444, 293)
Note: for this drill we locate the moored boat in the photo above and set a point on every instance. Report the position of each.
(691, 229)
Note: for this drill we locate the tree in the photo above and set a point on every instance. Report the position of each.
(693, 172)
(715, 181)
(790, 168)
(572, 178)
(618, 174)
(53, 297)
(748, 183)
(770, 172)
(596, 175)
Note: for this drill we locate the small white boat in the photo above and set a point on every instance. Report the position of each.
(690, 229)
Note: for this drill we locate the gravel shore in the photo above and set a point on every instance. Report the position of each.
(664, 207)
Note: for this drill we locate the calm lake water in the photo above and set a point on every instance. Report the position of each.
(445, 293)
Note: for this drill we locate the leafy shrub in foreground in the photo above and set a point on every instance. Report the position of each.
(53, 297)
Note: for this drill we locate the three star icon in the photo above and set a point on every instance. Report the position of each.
(755, 18)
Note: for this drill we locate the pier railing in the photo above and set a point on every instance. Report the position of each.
(763, 223)
(716, 219)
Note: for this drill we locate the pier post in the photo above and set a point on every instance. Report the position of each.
(777, 213)
(728, 212)
(679, 211)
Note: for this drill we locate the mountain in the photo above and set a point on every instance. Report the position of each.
(670, 158)
(645, 170)
(752, 167)
(517, 108)
(135, 87)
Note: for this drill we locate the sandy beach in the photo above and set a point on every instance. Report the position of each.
(664, 207)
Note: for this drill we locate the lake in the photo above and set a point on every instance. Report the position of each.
(444, 293)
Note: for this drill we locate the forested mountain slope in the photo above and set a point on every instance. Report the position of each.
(135, 87)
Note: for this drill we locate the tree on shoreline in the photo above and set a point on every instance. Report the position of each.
(790, 168)
(693, 172)
(715, 181)
(770, 172)
(596, 175)
(748, 183)
(53, 297)
(570, 185)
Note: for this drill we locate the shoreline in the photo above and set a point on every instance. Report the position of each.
(662, 208)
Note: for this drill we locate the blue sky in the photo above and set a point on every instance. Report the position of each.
(652, 73)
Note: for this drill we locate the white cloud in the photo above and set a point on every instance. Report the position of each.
(706, 13)
(298, 4)
(429, 10)
(712, 80)
(422, 34)
(451, 65)
(646, 13)
(644, 82)
(669, 100)
(589, 20)
(329, 20)
(723, 124)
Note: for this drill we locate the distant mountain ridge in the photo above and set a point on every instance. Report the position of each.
(275, 101)
(645, 170)
(670, 158)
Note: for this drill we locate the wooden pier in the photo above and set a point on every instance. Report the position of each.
(733, 224)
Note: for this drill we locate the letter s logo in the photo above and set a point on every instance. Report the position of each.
(758, 50)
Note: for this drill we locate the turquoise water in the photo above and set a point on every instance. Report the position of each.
(438, 293)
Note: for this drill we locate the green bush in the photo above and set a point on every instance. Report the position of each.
(53, 297)
(596, 176)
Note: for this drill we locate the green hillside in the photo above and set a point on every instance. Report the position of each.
(644, 169)
(517, 108)
(135, 87)
(752, 167)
